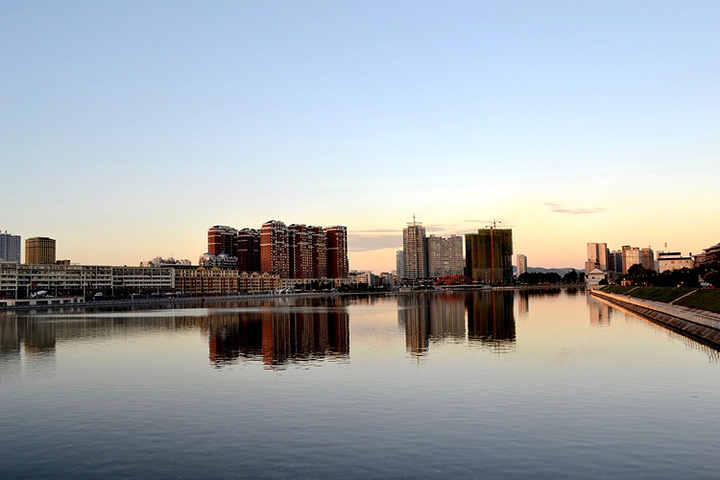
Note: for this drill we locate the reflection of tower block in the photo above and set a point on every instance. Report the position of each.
(599, 312)
(491, 317)
(523, 303)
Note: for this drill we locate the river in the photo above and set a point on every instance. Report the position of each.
(437, 385)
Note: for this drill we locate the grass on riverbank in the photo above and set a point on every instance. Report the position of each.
(703, 299)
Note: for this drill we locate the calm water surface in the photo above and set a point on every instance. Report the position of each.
(481, 385)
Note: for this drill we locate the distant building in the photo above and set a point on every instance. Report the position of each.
(275, 248)
(222, 239)
(415, 249)
(709, 255)
(300, 245)
(337, 251)
(445, 256)
(615, 262)
(297, 251)
(630, 257)
(488, 255)
(215, 280)
(521, 264)
(163, 262)
(594, 278)
(319, 252)
(40, 250)
(9, 247)
(647, 258)
(400, 264)
(248, 250)
(673, 261)
(222, 261)
(597, 257)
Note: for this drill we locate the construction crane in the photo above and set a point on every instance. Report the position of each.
(490, 223)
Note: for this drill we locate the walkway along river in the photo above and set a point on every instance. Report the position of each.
(699, 325)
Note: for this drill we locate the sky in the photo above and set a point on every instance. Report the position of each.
(129, 128)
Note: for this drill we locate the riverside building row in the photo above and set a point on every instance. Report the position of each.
(28, 280)
(599, 257)
(295, 251)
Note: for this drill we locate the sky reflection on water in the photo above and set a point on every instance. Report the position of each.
(492, 385)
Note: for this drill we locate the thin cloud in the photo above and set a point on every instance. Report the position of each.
(361, 242)
(559, 208)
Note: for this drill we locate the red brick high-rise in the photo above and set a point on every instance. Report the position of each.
(337, 256)
(222, 239)
(248, 250)
(275, 248)
(301, 258)
(319, 252)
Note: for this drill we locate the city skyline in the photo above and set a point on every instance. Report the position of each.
(126, 137)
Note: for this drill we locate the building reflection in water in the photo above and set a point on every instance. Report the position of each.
(430, 318)
(491, 319)
(523, 303)
(599, 312)
(280, 336)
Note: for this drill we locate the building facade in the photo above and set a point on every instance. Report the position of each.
(521, 264)
(9, 247)
(415, 249)
(222, 239)
(275, 248)
(40, 250)
(630, 257)
(400, 264)
(445, 256)
(669, 261)
(597, 257)
(248, 250)
(488, 255)
(615, 262)
(24, 280)
(337, 251)
(296, 251)
(647, 258)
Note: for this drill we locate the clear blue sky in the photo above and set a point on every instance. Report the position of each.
(129, 128)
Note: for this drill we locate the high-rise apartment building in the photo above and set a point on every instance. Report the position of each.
(222, 239)
(248, 250)
(415, 248)
(521, 264)
(597, 257)
(319, 252)
(275, 248)
(488, 255)
(39, 250)
(9, 247)
(301, 258)
(445, 256)
(337, 251)
(295, 251)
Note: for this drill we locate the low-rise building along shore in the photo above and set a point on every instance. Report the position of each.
(25, 281)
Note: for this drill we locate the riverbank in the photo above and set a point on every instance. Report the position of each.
(699, 298)
(698, 324)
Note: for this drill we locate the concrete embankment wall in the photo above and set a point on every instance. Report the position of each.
(701, 325)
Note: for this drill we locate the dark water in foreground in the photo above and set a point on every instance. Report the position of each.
(483, 385)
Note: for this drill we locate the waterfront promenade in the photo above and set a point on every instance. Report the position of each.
(700, 325)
